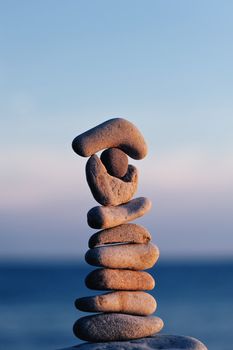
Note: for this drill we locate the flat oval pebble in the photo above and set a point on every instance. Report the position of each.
(101, 217)
(126, 233)
(114, 279)
(134, 303)
(124, 256)
(157, 342)
(116, 132)
(115, 161)
(113, 326)
(107, 189)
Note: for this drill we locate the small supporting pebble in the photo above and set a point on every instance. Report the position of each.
(115, 161)
(114, 326)
(126, 233)
(117, 279)
(106, 217)
(134, 303)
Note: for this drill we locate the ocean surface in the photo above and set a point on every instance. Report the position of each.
(37, 311)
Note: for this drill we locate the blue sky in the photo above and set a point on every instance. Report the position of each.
(66, 66)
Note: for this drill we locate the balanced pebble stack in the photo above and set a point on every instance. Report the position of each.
(121, 250)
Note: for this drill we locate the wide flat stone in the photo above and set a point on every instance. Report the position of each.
(114, 327)
(134, 303)
(126, 233)
(117, 279)
(102, 217)
(107, 189)
(157, 342)
(116, 132)
(124, 256)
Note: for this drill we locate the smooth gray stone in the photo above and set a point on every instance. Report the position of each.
(157, 342)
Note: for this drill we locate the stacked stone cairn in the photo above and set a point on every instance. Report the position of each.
(120, 250)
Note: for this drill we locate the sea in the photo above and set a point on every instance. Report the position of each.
(195, 298)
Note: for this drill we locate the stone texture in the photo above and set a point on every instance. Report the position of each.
(115, 161)
(116, 132)
(126, 233)
(114, 279)
(134, 303)
(107, 189)
(114, 326)
(101, 217)
(157, 342)
(124, 256)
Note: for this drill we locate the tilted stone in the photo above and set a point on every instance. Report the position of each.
(134, 303)
(126, 233)
(113, 326)
(115, 161)
(101, 217)
(107, 189)
(115, 279)
(124, 256)
(116, 132)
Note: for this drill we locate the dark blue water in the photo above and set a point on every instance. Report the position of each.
(37, 312)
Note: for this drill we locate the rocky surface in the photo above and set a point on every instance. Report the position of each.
(126, 233)
(116, 132)
(116, 279)
(114, 326)
(157, 342)
(101, 217)
(107, 189)
(115, 161)
(124, 256)
(134, 303)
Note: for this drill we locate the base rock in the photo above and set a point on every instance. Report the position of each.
(157, 342)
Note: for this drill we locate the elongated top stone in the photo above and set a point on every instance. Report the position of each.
(107, 189)
(124, 256)
(116, 132)
(125, 233)
(106, 217)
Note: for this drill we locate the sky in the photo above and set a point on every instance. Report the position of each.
(66, 66)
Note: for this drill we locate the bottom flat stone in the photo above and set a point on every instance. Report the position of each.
(157, 342)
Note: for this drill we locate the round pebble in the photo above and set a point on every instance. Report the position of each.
(115, 161)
